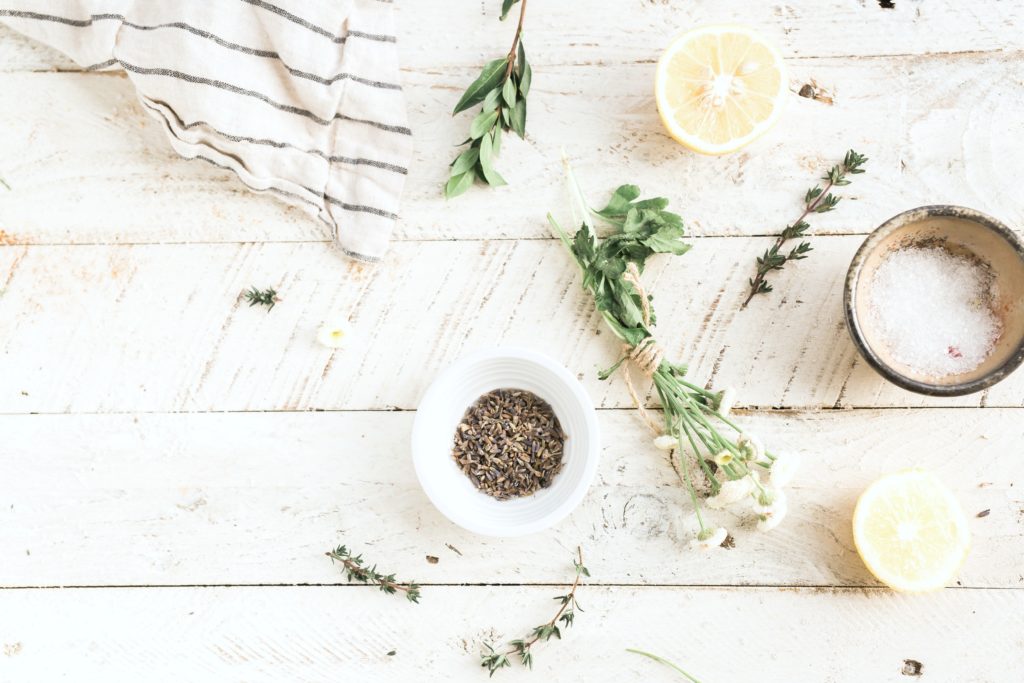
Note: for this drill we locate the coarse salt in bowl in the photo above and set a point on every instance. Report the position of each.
(934, 300)
(441, 410)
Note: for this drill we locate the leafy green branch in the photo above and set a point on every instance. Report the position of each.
(816, 200)
(501, 90)
(356, 570)
(493, 660)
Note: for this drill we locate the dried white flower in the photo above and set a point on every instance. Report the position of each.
(731, 492)
(665, 442)
(783, 469)
(723, 458)
(767, 498)
(771, 515)
(709, 538)
(335, 335)
(726, 401)
(751, 447)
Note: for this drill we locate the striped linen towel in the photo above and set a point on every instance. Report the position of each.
(300, 98)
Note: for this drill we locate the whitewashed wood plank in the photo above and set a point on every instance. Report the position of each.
(161, 328)
(595, 32)
(88, 165)
(331, 634)
(256, 498)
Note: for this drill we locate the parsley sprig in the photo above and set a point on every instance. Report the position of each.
(522, 648)
(816, 200)
(501, 90)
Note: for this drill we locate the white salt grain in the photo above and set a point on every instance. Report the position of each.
(933, 310)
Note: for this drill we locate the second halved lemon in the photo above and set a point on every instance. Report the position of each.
(719, 87)
(910, 531)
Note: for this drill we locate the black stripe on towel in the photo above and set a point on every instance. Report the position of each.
(353, 161)
(256, 52)
(313, 27)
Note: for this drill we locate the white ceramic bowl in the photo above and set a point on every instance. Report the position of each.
(446, 401)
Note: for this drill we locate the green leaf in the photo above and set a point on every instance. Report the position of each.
(519, 118)
(458, 184)
(668, 240)
(465, 161)
(524, 71)
(483, 123)
(496, 133)
(508, 92)
(506, 6)
(492, 99)
(492, 177)
(488, 79)
(620, 202)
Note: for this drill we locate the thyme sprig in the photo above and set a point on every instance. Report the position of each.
(356, 570)
(501, 89)
(816, 200)
(492, 660)
(267, 297)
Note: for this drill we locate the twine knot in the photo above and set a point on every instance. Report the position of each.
(647, 355)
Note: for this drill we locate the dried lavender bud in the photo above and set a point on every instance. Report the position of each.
(509, 443)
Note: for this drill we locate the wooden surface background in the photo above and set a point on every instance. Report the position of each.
(174, 463)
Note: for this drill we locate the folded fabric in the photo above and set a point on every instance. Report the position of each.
(298, 98)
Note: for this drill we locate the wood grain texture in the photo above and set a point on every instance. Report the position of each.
(159, 328)
(257, 498)
(595, 32)
(331, 634)
(88, 165)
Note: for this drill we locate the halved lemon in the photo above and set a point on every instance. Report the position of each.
(719, 87)
(911, 532)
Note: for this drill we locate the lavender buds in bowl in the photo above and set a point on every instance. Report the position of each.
(934, 300)
(466, 438)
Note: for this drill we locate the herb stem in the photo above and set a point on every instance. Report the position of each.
(661, 660)
(781, 239)
(515, 41)
(355, 570)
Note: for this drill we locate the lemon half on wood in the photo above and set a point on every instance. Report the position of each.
(911, 532)
(720, 87)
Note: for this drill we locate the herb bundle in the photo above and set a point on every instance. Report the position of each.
(816, 200)
(695, 420)
(493, 660)
(501, 89)
(356, 570)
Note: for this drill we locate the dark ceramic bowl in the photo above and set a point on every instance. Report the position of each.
(960, 230)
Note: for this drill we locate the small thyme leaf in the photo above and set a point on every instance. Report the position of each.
(267, 297)
(816, 200)
(4, 182)
(356, 570)
(500, 90)
(522, 648)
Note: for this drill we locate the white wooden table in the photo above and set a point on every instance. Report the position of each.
(173, 463)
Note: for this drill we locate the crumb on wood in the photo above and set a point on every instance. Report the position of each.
(432, 559)
(912, 667)
(729, 542)
(812, 90)
(984, 513)
(11, 649)
(453, 549)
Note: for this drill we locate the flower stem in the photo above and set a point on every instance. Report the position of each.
(661, 660)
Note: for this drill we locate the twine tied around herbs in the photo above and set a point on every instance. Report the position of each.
(648, 354)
